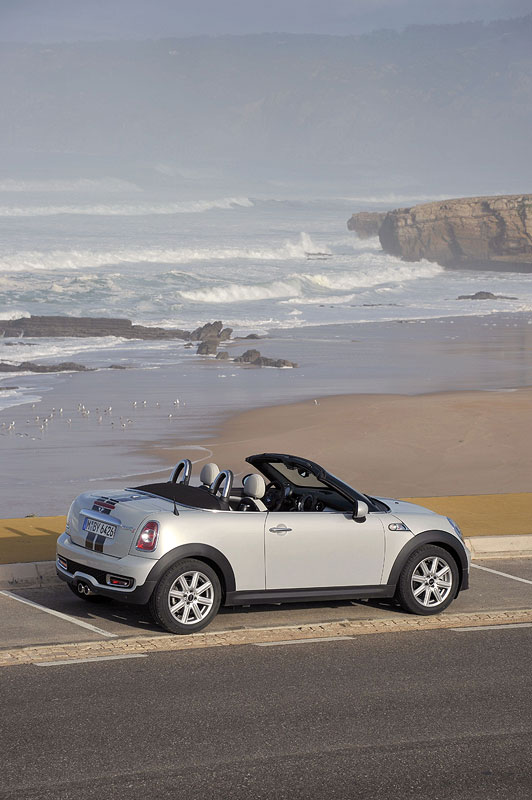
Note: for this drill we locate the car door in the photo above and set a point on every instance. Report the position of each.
(320, 550)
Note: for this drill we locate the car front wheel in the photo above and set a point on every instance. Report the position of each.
(187, 597)
(428, 581)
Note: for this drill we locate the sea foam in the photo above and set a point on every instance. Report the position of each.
(29, 260)
(311, 287)
(125, 209)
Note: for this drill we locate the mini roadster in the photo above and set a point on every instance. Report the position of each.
(291, 532)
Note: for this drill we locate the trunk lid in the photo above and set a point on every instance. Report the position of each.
(107, 522)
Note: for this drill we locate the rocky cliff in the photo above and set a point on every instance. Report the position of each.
(471, 232)
(366, 223)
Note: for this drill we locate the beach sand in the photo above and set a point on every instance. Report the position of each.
(466, 454)
(452, 443)
(382, 422)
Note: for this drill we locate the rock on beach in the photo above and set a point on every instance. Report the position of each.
(59, 326)
(255, 358)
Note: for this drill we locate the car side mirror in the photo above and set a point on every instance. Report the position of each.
(360, 510)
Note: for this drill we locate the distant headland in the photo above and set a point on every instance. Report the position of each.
(471, 232)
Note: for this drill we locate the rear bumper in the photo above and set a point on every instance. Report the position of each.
(140, 595)
(73, 565)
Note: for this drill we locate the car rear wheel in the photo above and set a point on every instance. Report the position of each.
(428, 581)
(187, 597)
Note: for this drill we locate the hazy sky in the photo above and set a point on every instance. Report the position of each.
(71, 20)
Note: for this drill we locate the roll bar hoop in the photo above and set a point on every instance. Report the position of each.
(184, 466)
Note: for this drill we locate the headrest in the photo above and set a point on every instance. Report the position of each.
(254, 486)
(208, 474)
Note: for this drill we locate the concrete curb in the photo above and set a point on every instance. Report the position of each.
(30, 575)
(34, 574)
(342, 629)
(500, 546)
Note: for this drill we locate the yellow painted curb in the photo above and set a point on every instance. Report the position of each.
(29, 539)
(484, 514)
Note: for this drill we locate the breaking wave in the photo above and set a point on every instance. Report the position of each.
(127, 209)
(237, 292)
(83, 259)
(310, 288)
(14, 313)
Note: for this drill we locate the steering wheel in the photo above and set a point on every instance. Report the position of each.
(306, 503)
(275, 495)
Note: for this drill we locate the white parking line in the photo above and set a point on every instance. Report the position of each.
(503, 574)
(66, 617)
(494, 627)
(304, 641)
(86, 660)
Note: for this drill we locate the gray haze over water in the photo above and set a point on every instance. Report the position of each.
(78, 20)
(437, 109)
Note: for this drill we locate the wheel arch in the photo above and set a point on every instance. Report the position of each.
(203, 552)
(442, 539)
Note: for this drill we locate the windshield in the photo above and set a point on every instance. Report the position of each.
(302, 474)
(298, 476)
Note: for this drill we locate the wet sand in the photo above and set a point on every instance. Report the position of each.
(380, 422)
(451, 443)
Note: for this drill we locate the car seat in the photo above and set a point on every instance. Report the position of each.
(254, 489)
(208, 474)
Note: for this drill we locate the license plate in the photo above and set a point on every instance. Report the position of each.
(100, 528)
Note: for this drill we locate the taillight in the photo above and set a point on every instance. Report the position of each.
(118, 580)
(148, 536)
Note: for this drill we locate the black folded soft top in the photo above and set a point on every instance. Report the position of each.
(193, 496)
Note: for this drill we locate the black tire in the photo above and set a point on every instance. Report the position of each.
(413, 577)
(89, 598)
(204, 599)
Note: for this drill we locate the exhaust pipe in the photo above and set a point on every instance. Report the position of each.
(84, 588)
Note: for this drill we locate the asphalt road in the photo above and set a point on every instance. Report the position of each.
(22, 625)
(437, 714)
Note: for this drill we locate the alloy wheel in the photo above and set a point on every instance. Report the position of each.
(190, 597)
(432, 581)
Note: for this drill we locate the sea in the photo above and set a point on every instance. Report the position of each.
(273, 260)
(180, 256)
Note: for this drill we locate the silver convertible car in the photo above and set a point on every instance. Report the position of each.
(292, 532)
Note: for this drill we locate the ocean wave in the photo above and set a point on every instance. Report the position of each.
(239, 292)
(63, 348)
(17, 397)
(86, 284)
(322, 299)
(110, 185)
(384, 269)
(127, 209)
(14, 313)
(38, 288)
(309, 288)
(88, 259)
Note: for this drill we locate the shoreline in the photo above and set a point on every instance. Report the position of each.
(389, 445)
(148, 430)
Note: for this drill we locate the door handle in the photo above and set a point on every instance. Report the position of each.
(280, 529)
